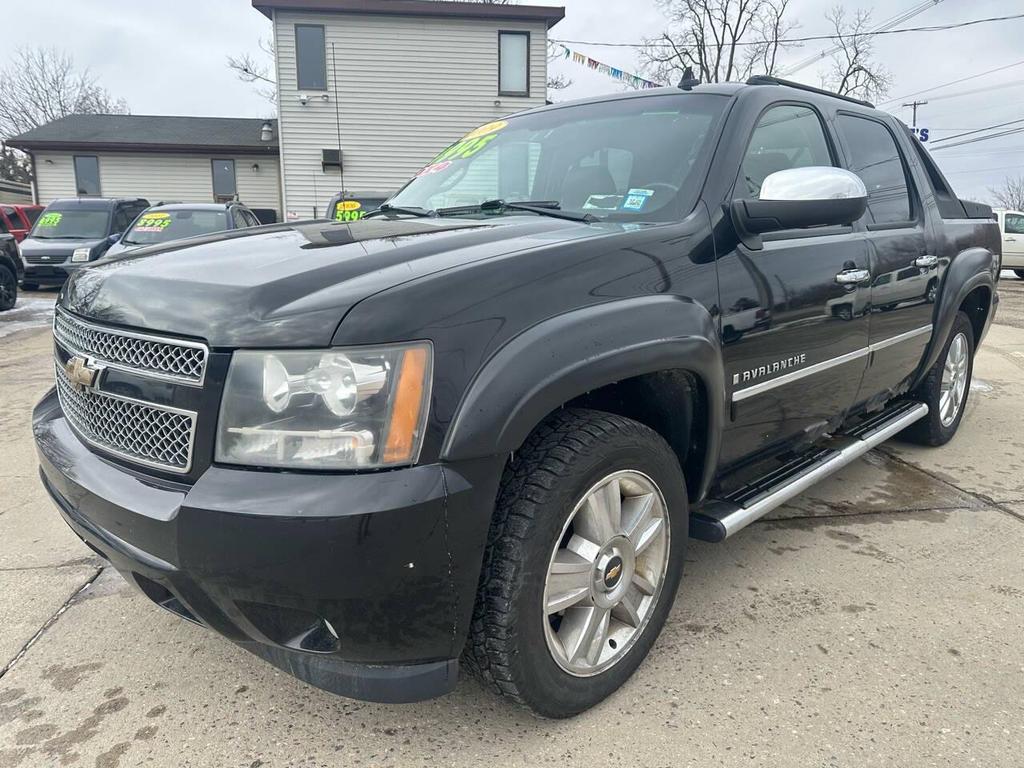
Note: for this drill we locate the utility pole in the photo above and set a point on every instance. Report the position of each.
(914, 105)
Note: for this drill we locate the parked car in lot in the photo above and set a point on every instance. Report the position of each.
(10, 271)
(163, 223)
(1011, 227)
(17, 220)
(352, 206)
(480, 433)
(73, 232)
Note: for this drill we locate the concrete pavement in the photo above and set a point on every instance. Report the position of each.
(874, 621)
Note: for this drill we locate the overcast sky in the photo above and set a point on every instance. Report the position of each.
(171, 60)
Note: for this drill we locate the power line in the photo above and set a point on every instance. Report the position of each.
(952, 82)
(978, 130)
(887, 24)
(976, 139)
(811, 38)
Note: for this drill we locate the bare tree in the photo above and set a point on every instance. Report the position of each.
(853, 70)
(255, 69)
(719, 39)
(1010, 194)
(41, 85)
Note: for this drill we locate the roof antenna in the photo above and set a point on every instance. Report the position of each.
(688, 80)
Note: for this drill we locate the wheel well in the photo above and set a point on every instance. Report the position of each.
(976, 305)
(672, 403)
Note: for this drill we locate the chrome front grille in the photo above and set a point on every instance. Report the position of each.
(145, 433)
(152, 356)
(35, 258)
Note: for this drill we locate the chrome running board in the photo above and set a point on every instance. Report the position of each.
(718, 519)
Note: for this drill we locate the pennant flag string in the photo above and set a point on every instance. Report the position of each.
(605, 69)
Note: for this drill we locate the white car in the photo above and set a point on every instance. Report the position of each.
(1011, 226)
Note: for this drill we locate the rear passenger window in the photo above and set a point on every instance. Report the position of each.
(1014, 224)
(875, 158)
(788, 136)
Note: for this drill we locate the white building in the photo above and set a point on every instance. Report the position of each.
(190, 159)
(392, 83)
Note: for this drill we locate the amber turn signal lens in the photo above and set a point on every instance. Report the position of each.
(405, 415)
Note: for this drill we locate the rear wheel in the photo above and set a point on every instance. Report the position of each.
(584, 557)
(946, 387)
(8, 288)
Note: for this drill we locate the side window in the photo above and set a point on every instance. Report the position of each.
(1014, 224)
(875, 158)
(310, 57)
(251, 218)
(122, 219)
(238, 218)
(87, 175)
(787, 136)
(513, 63)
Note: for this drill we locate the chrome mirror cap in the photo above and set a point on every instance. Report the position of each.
(813, 183)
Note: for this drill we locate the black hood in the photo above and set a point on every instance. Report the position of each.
(289, 286)
(33, 246)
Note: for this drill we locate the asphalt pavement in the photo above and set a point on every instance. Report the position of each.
(876, 620)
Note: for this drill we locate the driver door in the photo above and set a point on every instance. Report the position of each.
(794, 332)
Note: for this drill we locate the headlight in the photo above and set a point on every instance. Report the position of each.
(81, 254)
(354, 408)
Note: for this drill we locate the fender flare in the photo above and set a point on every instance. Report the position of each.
(969, 270)
(571, 354)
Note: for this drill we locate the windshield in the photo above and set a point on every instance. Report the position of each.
(75, 224)
(626, 160)
(161, 226)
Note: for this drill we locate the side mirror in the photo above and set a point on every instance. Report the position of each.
(797, 198)
(114, 238)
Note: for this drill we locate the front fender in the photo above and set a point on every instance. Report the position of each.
(969, 270)
(569, 355)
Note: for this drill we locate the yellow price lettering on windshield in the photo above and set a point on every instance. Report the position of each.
(153, 222)
(348, 210)
(465, 148)
(484, 130)
(50, 219)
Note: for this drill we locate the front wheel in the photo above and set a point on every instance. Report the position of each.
(946, 387)
(583, 561)
(8, 288)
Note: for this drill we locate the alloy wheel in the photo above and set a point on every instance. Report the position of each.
(954, 380)
(606, 573)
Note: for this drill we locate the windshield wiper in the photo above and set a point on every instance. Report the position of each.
(409, 210)
(550, 208)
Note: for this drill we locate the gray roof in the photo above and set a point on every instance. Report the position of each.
(150, 133)
(459, 9)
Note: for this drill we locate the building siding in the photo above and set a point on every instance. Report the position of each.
(184, 177)
(407, 88)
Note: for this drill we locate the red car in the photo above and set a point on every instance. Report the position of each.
(18, 219)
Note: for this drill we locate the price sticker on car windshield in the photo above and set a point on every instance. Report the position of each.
(50, 220)
(471, 144)
(348, 210)
(153, 222)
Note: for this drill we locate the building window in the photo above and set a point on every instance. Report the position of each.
(513, 63)
(224, 189)
(87, 175)
(310, 57)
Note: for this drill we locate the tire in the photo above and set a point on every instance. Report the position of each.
(513, 646)
(944, 416)
(8, 289)
(1019, 273)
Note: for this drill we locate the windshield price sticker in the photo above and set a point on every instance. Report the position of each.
(153, 222)
(470, 144)
(348, 210)
(602, 202)
(434, 168)
(50, 219)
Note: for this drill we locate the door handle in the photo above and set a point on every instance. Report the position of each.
(1010, 239)
(852, 276)
(926, 262)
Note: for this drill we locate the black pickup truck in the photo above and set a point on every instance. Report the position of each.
(478, 425)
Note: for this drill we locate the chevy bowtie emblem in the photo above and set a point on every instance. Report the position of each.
(80, 373)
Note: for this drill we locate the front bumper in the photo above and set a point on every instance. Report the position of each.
(361, 584)
(46, 274)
